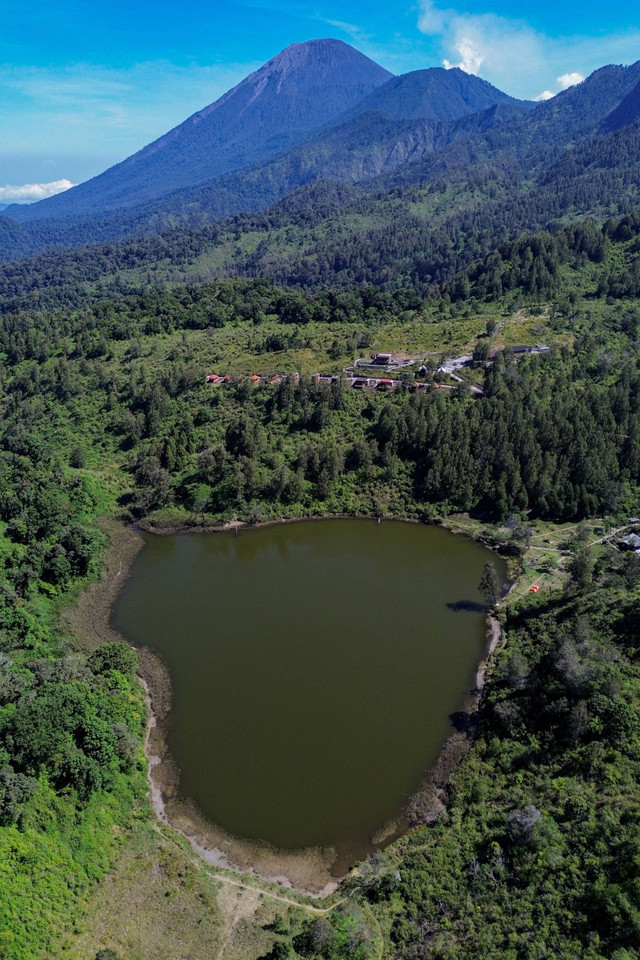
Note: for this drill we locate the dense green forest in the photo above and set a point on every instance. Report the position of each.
(414, 244)
(106, 412)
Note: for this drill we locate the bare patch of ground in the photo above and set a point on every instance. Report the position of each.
(154, 906)
(87, 618)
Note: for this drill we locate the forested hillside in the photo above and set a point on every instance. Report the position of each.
(105, 410)
(331, 235)
(428, 128)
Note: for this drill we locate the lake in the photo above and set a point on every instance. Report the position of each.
(314, 666)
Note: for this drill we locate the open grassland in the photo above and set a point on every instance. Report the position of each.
(162, 902)
(243, 348)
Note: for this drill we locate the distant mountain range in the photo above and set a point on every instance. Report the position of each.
(322, 85)
(320, 111)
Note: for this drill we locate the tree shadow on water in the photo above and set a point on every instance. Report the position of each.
(467, 606)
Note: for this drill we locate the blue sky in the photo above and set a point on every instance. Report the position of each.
(83, 85)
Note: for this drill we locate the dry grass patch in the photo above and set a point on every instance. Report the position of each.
(161, 904)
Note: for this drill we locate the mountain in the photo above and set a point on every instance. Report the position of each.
(523, 167)
(626, 112)
(366, 146)
(413, 116)
(296, 93)
(433, 94)
(386, 142)
(528, 143)
(329, 234)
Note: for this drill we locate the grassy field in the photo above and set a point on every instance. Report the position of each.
(244, 349)
(162, 903)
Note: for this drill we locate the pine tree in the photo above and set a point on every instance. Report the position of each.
(489, 585)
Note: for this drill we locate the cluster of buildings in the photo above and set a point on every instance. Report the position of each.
(219, 378)
(376, 364)
(383, 361)
(357, 383)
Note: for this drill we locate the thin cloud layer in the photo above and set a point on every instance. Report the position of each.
(29, 192)
(85, 108)
(514, 56)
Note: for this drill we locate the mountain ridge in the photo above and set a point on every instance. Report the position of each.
(381, 153)
(417, 114)
(434, 93)
(626, 112)
(300, 90)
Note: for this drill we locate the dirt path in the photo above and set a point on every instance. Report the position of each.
(224, 878)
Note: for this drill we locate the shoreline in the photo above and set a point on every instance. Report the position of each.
(430, 800)
(307, 872)
(168, 529)
(87, 616)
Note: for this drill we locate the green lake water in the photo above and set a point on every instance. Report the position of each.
(314, 666)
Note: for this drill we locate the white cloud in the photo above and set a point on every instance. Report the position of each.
(497, 43)
(569, 80)
(33, 191)
(564, 82)
(431, 19)
(514, 56)
(472, 57)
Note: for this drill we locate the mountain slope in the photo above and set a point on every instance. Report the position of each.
(304, 88)
(415, 115)
(626, 112)
(374, 143)
(528, 143)
(558, 148)
(330, 234)
(433, 94)
(367, 146)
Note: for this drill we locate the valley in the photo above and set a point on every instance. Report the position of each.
(327, 685)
